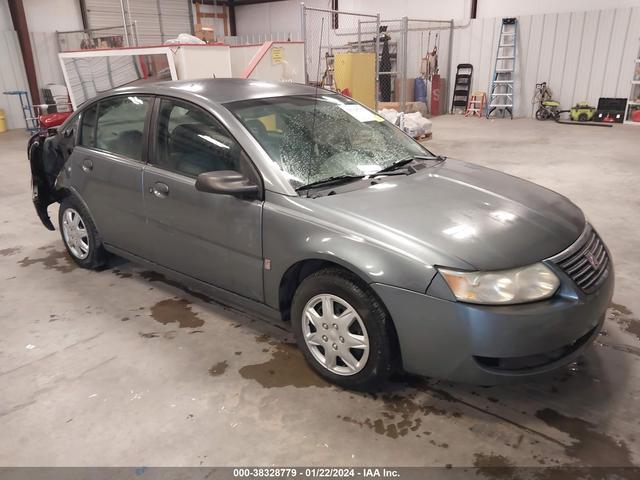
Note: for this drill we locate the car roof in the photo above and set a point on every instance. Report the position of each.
(220, 90)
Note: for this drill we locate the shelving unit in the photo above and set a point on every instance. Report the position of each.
(633, 102)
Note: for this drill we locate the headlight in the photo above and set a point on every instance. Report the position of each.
(518, 285)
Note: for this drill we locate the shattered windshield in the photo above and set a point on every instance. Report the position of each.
(315, 138)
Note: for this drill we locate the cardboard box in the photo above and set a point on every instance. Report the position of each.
(204, 33)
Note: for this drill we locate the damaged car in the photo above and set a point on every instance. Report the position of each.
(301, 204)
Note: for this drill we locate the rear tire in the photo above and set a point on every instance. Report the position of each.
(542, 114)
(80, 235)
(352, 344)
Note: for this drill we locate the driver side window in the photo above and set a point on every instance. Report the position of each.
(191, 141)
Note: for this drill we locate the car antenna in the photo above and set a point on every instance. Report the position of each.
(315, 104)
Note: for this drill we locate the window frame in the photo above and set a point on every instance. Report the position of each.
(81, 125)
(153, 143)
(145, 132)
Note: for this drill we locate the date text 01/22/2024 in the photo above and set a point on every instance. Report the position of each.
(315, 472)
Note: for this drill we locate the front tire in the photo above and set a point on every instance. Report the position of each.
(80, 235)
(343, 330)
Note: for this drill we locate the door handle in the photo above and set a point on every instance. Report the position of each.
(159, 189)
(87, 165)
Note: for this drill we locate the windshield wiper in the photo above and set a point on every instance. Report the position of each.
(401, 163)
(336, 180)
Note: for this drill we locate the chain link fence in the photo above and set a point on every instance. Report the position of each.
(408, 54)
(106, 37)
(330, 34)
(412, 52)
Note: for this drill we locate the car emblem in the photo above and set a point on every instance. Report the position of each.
(591, 258)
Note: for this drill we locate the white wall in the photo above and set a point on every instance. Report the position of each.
(240, 57)
(581, 55)
(12, 77)
(12, 74)
(285, 16)
(5, 16)
(53, 15)
(498, 8)
(291, 69)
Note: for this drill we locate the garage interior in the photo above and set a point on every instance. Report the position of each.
(126, 367)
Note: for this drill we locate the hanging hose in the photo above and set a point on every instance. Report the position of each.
(571, 122)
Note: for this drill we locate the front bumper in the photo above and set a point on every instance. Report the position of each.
(488, 345)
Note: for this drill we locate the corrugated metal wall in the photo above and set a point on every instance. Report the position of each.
(157, 20)
(45, 56)
(12, 77)
(581, 55)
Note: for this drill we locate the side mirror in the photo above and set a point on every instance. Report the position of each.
(226, 182)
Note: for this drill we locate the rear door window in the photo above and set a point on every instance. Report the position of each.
(121, 125)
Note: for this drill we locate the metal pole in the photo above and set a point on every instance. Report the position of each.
(403, 76)
(124, 23)
(190, 6)
(359, 37)
(303, 33)
(135, 33)
(129, 22)
(450, 66)
(377, 49)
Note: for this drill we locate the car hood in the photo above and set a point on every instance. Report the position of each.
(461, 215)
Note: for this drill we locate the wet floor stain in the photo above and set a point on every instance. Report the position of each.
(218, 369)
(6, 252)
(152, 276)
(625, 319)
(168, 335)
(54, 259)
(286, 368)
(176, 310)
(402, 415)
(119, 273)
(589, 446)
(493, 466)
(619, 309)
(149, 334)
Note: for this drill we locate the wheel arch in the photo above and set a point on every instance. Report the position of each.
(295, 275)
(66, 191)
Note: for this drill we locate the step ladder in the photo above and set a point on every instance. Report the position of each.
(30, 121)
(477, 104)
(502, 89)
(462, 87)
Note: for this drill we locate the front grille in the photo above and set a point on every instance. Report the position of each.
(589, 264)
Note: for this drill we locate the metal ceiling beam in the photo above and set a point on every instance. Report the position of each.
(20, 25)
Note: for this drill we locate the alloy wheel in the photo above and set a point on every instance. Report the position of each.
(335, 334)
(75, 233)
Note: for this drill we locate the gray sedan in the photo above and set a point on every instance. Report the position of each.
(303, 205)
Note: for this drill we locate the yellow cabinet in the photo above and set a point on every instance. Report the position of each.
(357, 72)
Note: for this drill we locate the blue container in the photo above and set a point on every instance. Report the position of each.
(420, 90)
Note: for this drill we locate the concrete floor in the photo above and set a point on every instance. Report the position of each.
(122, 368)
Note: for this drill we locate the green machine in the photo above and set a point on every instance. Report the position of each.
(582, 112)
(548, 109)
